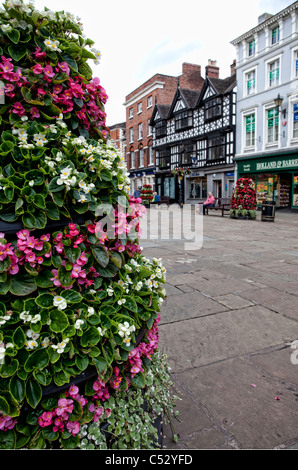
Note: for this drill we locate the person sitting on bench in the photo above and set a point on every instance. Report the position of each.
(210, 202)
(156, 198)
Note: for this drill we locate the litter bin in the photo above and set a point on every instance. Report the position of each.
(268, 211)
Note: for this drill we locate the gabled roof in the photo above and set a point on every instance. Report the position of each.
(216, 87)
(161, 111)
(184, 99)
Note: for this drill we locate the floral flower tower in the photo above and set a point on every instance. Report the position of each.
(146, 194)
(78, 302)
(243, 201)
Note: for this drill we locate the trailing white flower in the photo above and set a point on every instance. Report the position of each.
(60, 346)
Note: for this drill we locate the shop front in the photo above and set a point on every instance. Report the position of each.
(276, 178)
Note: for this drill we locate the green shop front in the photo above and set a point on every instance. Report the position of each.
(276, 178)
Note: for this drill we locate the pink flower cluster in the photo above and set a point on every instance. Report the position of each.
(13, 78)
(144, 349)
(78, 272)
(7, 423)
(28, 251)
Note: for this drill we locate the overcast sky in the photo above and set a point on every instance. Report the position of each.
(138, 39)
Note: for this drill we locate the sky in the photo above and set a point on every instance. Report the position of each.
(139, 39)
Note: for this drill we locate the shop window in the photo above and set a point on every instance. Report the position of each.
(264, 188)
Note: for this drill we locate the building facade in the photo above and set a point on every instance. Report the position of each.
(267, 106)
(197, 132)
(118, 137)
(139, 106)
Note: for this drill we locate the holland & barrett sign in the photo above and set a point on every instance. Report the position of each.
(268, 165)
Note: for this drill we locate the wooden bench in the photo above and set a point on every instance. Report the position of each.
(221, 204)
(163, 200)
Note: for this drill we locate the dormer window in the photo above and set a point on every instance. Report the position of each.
(213, 108)
(183, 120)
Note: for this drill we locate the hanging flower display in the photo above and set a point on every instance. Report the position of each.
(243, 201)
(180, 171)
(79, 303)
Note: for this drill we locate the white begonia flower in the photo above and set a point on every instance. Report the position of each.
(91, 311)
(45, 342)
(32, 344)
(4, 319)
(31, 334)
(6, 28)
(101, 331)
(25, 316)
(110, 291)
(31, 183)
(121, 301)
(52, 45)
(59, 302)
(61, 346)
(78, 324)
(2, 352)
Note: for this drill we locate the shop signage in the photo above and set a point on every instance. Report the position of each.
(270, 164)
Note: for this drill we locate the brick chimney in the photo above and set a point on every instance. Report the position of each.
(191, 77)
(233, 67)
(211, 70)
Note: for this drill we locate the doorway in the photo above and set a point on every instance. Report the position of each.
(218, 188)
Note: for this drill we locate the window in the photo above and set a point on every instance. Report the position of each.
(213, 108)
(139, 107)
(132, 159)
(216, 149)
(163, 159)
(151, 155)
(149, 102)
(130, 113)
(273, 73)
(131, 134)
(295, 120)
(141, 130)
(295, 64)
(141, 150)
(272, 119)
(250, 130)
(183, 120)
(161, 128)
(201, 152)
(149, 128)
(275, 35)
(251, 48)
(250, 82)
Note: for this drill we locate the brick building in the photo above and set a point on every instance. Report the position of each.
(118, 137)
(139, 106)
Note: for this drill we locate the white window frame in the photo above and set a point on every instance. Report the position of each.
(151, 155)
(245, 115)
(278, 28)
(275, 143)
(149, 128)
(130, 113)
(294, 71)
(132, 159)
(140, 131)
(246, 73)
(140, 107)
(149, 101)
(130, 134)
(268, 63)
(141, 153)
(251, 41)
(293, 100)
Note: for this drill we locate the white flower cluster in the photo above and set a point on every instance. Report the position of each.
(60, 346)
(125, 330)
(52, 45)
(28, 318)
(59, 302)
(67, 178)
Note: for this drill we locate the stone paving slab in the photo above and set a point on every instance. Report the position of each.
(228, 322)
(243, 403)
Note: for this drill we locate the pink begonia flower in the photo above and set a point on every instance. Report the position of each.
(37, 69)
(82, 259)
(46, 419)
(55, 278)
(64, 67)
(48, 71)
(73, 427)
(76, 271)
(59, 247)
(30, 257)
(41, 91)
(39, 54)
(9, 90)
(73, 391)
(14, 269)
(45, 238)
(34, 112)
(18, 109)
(64, 406)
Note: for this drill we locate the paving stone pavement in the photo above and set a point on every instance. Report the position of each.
(227, 326)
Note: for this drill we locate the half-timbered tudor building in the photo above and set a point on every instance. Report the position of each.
(197, 131)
